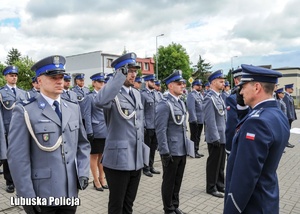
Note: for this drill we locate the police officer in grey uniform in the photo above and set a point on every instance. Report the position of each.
(123, 156)
(138, 82)
(290, 107)
(10, 95)
(81, 92)
(3, 147)
(158, 89)
(149, 100)
(226, 91)
(67, 93)
(35, 90)
(52, 159)
(215, 124)
(170, 124)
(196, 114)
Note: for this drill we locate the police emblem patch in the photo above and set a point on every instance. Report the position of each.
(126, 112)
(46, 137)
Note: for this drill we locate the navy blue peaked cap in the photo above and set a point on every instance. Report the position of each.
(98, 77)
(216, 75)
(197, 82)
(176, 76)
(10, 70)
(129, 58)
(50, 66)
(252, 73)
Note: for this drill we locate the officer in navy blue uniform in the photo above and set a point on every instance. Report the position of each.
(125, 152)
(10, 96)
(196, 114)
(260, 138)
(170, 124)
(290, 107)
(215, 124)
(234, 110)
(67, 93)
(47, 146)
(149, 100)
(35, 90)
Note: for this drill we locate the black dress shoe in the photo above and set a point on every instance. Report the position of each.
(148, 173)
(179, 211)
(217, 194)
(290, 145)
(154, 171)
(197, 155)
(10, 188)
(221, 190)
(201, 155)
(98, 188)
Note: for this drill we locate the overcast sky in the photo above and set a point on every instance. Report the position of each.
(252, 32)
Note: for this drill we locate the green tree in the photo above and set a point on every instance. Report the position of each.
(12, 56)
(202, 69)
(172, 57)
(25, 74)
(2, 80)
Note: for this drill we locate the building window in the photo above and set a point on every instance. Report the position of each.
(108, 62)
(146, 66)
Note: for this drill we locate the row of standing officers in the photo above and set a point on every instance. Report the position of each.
(56, 132)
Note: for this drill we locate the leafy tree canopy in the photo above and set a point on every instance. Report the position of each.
(173, 57)
(12, 56)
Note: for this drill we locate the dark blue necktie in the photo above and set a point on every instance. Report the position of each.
(132, 95)
(56, 104)
(14, 90)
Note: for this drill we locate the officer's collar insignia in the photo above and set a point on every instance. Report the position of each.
(46, 137)
(42, 105)
(56, 61)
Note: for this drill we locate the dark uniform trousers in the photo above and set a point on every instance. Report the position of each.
(123, 184)
(215, 168)
(6, 171)
(196, 130)
(151, 141)
(172, 179)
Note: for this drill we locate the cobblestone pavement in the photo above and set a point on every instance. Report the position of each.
(193, 198)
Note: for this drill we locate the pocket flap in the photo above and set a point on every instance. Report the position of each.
(45, 128)
(117, 145)
(73, 125)
(40, 173)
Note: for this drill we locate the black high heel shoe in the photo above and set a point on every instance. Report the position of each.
(98, 188)
(103, 186)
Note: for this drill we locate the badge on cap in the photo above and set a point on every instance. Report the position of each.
(56, 61)
(46, 137)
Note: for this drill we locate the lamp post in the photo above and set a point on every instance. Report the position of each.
(232, 70)
(156, 60)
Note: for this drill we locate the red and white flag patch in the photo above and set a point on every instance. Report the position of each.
(250, 136)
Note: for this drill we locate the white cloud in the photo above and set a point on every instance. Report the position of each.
(216, 30)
